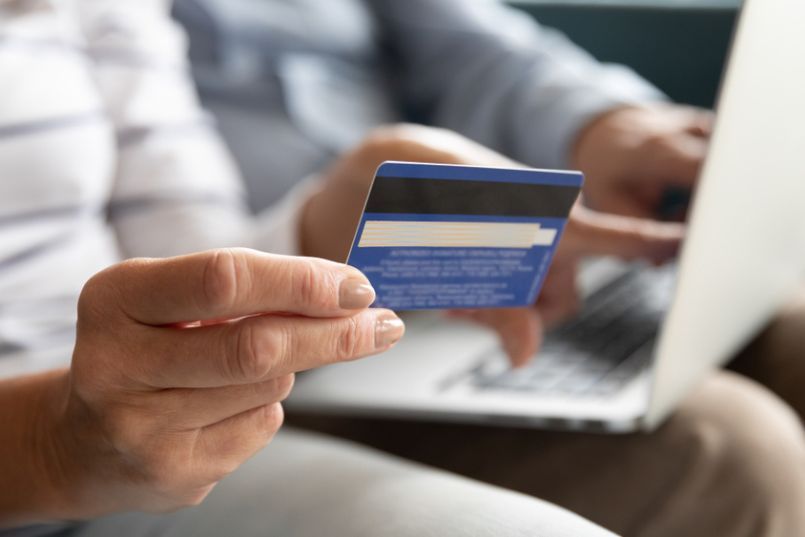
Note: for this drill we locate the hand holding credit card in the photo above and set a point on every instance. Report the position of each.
(436, 236)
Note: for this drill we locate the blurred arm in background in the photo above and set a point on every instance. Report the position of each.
(494, 74)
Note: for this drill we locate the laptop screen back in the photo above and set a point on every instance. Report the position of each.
(745, 253)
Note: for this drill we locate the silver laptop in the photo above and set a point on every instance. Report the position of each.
(645, 337)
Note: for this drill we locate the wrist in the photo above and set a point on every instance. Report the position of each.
(62, 452)
(33, 450)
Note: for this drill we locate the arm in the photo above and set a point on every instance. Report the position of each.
(29, 492)
(177, 189)
(329, 221)
(493, 74)
(176, 379)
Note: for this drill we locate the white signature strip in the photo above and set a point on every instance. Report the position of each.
(390, 233)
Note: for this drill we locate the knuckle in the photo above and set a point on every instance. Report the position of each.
(160, 476)
(126, 432)
(283, 345)
(102, 290)
(309, 283)
(349, 339)
(251, 358)
(659, 142)
(163, 463)
(224, 278)
(167, 467)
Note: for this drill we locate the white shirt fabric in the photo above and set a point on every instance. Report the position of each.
(105, 154)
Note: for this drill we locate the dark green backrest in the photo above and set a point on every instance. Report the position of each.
(678, 45)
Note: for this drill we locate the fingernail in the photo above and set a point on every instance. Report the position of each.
(355, 294)
(388, 330)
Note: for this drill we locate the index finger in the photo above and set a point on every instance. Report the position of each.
(234, 283)
(260, 348)
(592, 233)
(519, 330)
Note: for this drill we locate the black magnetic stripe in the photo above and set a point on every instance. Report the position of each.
(451, 196)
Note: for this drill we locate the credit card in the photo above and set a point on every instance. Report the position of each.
(435, 236)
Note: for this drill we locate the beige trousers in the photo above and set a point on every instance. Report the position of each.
(729, 463)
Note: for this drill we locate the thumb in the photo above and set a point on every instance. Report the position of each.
(590, 233)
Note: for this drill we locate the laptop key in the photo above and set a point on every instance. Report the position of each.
(594, 354)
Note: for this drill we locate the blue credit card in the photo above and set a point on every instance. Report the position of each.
(435, 236)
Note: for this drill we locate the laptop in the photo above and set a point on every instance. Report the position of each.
(645, 336)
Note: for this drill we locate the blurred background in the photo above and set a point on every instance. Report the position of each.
(251, 61)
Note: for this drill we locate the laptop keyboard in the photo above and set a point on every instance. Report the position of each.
(598, 352)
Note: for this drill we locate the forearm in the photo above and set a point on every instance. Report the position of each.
(30, 487)
(530, 89)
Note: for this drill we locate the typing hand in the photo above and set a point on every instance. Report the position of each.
(633, 157)
(588, 233)
(331, 216)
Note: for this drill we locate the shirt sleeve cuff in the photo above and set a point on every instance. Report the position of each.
(614, 87)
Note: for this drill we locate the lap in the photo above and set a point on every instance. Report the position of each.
(636, 484)
(776, 358)
(307, 485)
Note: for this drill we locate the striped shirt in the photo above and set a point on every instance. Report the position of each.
(105, 154)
